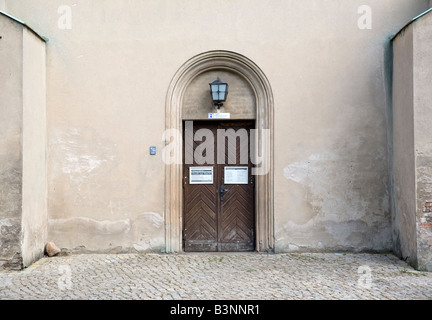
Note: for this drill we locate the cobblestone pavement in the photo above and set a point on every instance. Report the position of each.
(197, 276)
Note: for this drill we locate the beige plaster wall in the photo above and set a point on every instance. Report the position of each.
(23, 211)
(107, 82)
(197, 102)
(331, 182)
(404, 171)
(10, 139)
(34, 192)
(422, 43)
(412, 144)
(3, 5)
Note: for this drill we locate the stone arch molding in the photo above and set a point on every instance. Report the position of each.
(250, 72)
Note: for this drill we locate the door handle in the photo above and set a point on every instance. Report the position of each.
(222, 190)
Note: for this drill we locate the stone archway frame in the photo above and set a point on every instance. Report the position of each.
(247, 69)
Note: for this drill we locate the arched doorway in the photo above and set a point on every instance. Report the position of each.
(244, 69)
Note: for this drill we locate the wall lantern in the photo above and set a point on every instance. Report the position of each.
(219, 92)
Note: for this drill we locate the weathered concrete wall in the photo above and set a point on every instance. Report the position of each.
(331, 181)
(34, 192)
(109, 67)
(10, 140)
(412, 143)
(404, 219)
(23, 212)
(422, 43)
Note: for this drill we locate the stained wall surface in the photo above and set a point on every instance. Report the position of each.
(110, 62)
(10, 139)
(422, 75)
(403, 162)
(412, 159)
(34, 186)
(23, 191)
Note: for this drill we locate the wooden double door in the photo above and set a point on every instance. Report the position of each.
(219, 188)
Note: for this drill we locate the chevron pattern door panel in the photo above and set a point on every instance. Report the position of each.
(218, 216)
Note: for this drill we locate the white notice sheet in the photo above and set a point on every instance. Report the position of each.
(236, 175)
(200, 175)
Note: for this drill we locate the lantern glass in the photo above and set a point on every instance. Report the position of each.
(219, 91)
